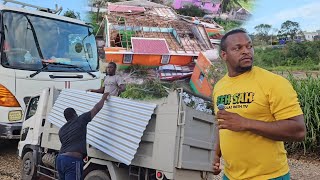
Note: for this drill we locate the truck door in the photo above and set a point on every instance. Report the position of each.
(196, 131)
(34, 117)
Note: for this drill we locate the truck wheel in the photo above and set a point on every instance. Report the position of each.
(97, 175)
(28, 167)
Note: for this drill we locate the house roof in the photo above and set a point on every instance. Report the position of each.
(141, 3)
(181, 37)
(149, 46)
(163, 12)
(124, 8)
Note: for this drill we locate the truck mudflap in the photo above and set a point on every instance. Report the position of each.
(10, 130)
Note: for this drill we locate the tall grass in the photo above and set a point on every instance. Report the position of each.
(308, 91)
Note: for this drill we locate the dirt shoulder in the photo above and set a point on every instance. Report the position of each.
(302, 167)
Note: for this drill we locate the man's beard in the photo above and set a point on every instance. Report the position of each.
(240, 69)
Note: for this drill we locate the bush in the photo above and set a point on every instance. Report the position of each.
(150, 89)
(227, 24)
(269, 57)
(304, 55)
(308, 93)
(191, 10)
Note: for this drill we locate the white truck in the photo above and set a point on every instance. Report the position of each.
(39, 49)
(176, 144)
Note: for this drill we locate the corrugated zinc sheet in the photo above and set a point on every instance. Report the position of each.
(116, 130)
(150, 46)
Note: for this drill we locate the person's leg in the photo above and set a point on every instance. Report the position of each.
(79, 169)
(59, 166)
(74, 169)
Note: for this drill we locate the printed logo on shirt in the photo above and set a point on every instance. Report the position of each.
(237, 100)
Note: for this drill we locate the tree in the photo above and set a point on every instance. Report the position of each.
(289, 29)
(228, 5)
(263, 31)
(72, 14)
(93, 20)
(191, 11)
(100, 3)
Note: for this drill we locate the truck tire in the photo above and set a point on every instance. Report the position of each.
(49, 160)
(28, 168)
(97, 175)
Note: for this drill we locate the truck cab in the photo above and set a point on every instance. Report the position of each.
(38, 50)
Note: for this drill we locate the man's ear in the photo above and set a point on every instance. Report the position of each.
(223, 55)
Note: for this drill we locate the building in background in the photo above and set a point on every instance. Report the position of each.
(152, 35)
(311, 36)
(240, 14)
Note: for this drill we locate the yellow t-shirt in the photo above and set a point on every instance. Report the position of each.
(260, 95)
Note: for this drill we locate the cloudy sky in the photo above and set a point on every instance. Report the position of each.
(275, 12)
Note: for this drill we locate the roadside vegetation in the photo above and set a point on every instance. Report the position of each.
(149, 89)
(308, 91)
(191, 10)
(289, 56)
(227, 24)
(293, 56)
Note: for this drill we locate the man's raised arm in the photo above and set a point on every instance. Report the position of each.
(99, 105)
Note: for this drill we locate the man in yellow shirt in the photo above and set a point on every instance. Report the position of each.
(259, 110)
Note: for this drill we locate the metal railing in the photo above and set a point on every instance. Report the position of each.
(39, 8)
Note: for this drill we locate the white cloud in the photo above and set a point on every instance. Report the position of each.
(306, 15)
(308, 11)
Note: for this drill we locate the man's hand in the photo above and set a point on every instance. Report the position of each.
(99, 105)
(105, 96)
(232, 121)
(101, 90)
(216, 165)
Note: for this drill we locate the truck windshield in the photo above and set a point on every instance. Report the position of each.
(30, 42)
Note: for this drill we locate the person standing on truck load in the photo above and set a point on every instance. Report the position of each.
(112, 83)
(258, 110)
(72, 136)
